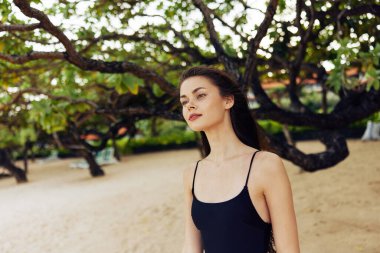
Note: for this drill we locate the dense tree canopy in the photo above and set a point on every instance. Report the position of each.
(78, 66)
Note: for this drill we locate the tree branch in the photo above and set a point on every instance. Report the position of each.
(246, 6)
(19, 28)
(87, 64)
(255, 42)
(206, 12)
(350, 109)
(101, 66)
(230, 65)
(32, 56)
(295, 66)
(336, 151)
(45, 22)
(192, 52)
(232, 28)
(18, 96)
(332, 13)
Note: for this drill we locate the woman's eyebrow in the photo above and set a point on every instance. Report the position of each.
(195, 90)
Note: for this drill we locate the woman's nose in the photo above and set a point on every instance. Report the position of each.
(190, 105)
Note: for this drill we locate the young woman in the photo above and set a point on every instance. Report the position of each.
(238, 198)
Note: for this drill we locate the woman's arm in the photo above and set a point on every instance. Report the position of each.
(278, 195)
(193, 242)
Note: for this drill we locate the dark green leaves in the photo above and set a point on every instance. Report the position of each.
(124, 83)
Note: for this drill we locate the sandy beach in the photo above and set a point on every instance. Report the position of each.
(138, 206)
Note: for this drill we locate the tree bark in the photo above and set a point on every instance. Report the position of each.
(58, 141)
(116, 150)
(335, 144)
(287, 135)
(6, 162)
(25, 156)
(95, 169)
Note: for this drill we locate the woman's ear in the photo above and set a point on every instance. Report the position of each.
(229, 102)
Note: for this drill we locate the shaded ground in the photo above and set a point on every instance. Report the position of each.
(137, 207)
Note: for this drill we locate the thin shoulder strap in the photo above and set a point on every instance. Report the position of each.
(250, 165)
(195, 172)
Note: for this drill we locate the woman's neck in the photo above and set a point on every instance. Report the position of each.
(224, 144)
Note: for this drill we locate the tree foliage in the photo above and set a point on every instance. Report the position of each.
(119, 61)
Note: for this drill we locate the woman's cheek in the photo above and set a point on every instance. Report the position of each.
(184, 114)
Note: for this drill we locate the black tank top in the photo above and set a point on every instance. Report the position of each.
(231, 226)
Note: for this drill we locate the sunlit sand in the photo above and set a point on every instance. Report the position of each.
(138, 206)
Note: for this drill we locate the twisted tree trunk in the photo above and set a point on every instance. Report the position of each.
(116, 149)
(95, 169)
(15, 171)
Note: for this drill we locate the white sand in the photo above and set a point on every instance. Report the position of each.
(138, 207)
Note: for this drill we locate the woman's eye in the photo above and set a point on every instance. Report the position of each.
(199, 96)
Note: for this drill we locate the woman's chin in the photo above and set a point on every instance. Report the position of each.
(196, 128)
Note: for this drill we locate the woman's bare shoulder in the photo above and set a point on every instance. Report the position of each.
(188, 172)
(269, 164)
(267, 156)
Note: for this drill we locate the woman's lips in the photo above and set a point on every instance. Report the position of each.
(194, 117)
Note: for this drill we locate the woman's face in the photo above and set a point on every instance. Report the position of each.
(202, 105)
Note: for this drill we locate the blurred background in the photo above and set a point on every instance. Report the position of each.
(92, 139)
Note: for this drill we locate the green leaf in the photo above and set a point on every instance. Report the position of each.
(376, 84)
(132, 83)
(281, 5)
